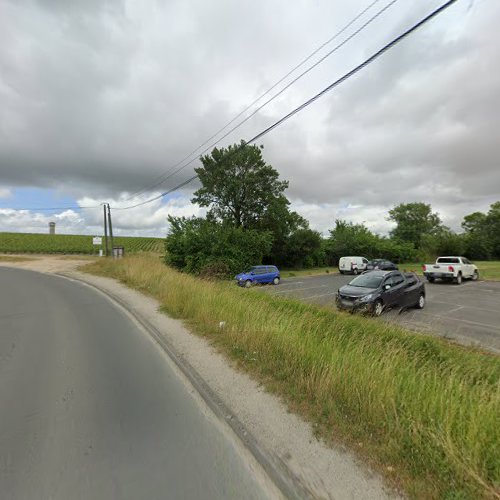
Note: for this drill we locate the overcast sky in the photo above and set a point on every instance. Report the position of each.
(98, 98)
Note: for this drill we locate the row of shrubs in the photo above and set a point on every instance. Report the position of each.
(209, 248)
(212, 249)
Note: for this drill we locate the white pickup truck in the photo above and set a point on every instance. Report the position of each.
(451, 269)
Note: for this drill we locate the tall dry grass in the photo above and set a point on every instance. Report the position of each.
(424, 411)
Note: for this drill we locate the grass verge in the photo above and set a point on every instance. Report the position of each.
(424, 412)
(489, 270)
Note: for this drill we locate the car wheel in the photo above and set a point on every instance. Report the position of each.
(378, 307)
(248, 284)
(421, 302)
(458, 279)
(475, 276)
(276, 281)
(341, 272)
(355, 271)
(430, 280)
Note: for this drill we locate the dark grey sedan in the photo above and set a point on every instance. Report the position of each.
(375, 291)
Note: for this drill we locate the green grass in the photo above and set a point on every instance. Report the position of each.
(422, 411)
(488, 270)
(71, 243)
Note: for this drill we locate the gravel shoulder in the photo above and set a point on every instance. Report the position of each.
(260, 419)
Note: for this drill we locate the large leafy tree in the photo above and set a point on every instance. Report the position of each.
(474, 222)
(493, 227)
(241, 190)
(238, 186)
(282, 223)
(477, 240)
(413, 220)
(483, 233)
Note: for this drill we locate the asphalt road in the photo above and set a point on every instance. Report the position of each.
(90, 408)
(468, 313)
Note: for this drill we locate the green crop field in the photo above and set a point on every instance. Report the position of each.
(72, 243)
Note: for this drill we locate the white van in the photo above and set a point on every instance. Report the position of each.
(353, 265)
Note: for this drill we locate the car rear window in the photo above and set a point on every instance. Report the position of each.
(448, 260)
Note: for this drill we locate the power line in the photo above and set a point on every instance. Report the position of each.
(163, 177)
(327, 89)
(281, 91)
(162, 195)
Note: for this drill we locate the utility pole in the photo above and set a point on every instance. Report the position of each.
(110, 229)
(105, 230)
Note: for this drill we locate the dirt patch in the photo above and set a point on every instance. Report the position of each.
(13, 258)
(45, 263)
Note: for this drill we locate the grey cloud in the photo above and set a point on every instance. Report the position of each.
(99, 98)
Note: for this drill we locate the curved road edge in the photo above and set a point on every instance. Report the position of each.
(280, 475)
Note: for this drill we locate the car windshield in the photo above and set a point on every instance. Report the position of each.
(369, 280)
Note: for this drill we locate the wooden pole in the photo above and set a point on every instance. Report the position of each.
(110, 229)
(105, 232)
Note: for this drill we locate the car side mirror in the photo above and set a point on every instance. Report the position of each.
(387, 287)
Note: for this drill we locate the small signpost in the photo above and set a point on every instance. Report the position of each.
(97, 241)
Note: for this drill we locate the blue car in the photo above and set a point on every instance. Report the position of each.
(258, 274)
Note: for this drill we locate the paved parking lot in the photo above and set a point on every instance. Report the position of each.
(468, 313)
